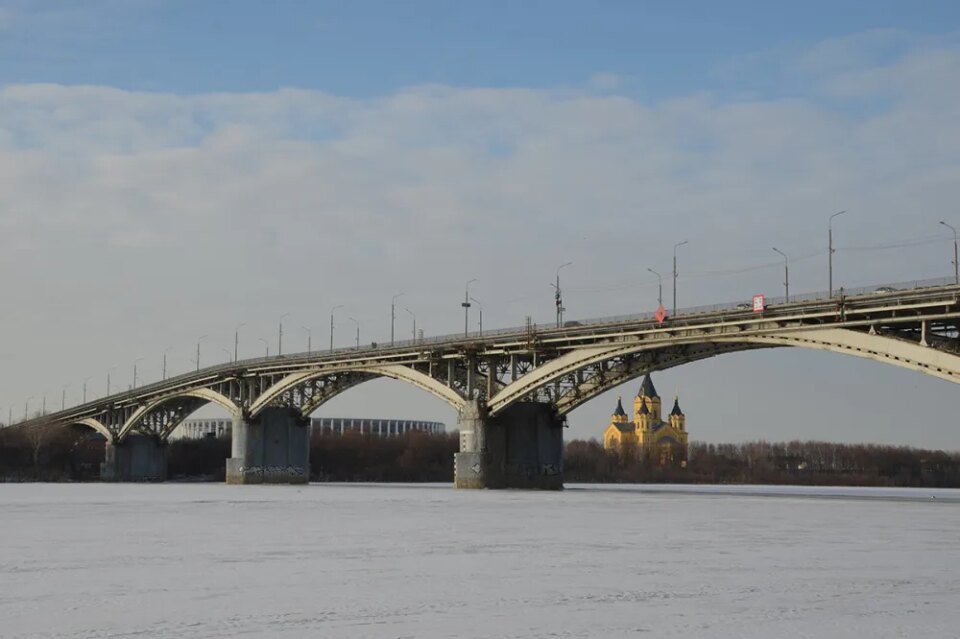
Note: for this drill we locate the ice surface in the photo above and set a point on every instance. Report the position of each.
(204, 560)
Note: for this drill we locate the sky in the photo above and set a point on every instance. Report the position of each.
(171, 170)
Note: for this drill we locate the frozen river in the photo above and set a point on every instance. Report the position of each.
(183, 560)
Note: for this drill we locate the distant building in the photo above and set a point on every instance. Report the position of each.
(647, 433)
(219, 427)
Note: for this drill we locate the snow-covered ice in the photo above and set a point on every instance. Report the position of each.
(204, 560)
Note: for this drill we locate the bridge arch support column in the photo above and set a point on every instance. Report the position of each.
(271, 448)
(520, 447)
(138, 458)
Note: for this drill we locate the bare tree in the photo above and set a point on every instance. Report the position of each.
(38, 435)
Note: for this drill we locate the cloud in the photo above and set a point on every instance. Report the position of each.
(122, 210)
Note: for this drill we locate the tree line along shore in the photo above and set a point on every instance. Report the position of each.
(70, 455)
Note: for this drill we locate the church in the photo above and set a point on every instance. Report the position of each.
(658, 440)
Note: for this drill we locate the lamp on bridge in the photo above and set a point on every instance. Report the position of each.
(830, 250)
(393, 302)
(139, 359)
(280, 335)
(480, 311)
(331, 324)
(163, 375)
(266, 344)
(558, 296)
(108, 380)
(236, 339)
(200, 339)
(414, 323)
(309, 339)
(659, 286)
(466, 308)
(786, 273)
(956, 264)
(675, 247)
(358, 331)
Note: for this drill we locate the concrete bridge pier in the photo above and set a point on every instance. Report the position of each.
(522, 447)
(137, 458)
(273, 448)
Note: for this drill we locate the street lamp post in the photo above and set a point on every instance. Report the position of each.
(830, 250)
(675, 247)
(956, 264)
(26, 407)
(86, 379)
(414, 323)
(236, 340)
(228, 353)
(331, 324)
(43, 408)
(280, 335)
(63, 397)
(466, 308)
(266, 345)
(358, 331)
(558, 296)
(165, 351)
(135, 371)
(309, 339)
(108, 380)
(200, 339)
(393, 315)
(480, 311)
(659, 286)
(786, 273)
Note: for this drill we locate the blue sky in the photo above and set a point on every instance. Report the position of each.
(364, 48)
(191, 166)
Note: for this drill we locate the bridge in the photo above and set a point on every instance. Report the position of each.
(512, 388)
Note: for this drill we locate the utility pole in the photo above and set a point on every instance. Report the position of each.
(659, 286)
(956, 264)
(786, 273)
(675, 247)
(830, 250)
(466, 308)
(393, 315)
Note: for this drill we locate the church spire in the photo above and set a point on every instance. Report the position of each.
(646, 388)
(676, 407)
(619, 412)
